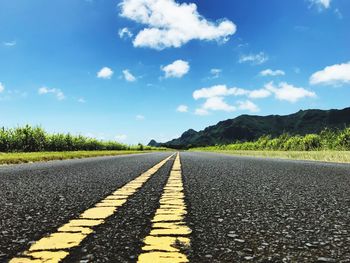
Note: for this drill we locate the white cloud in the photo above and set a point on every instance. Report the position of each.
(140, 117)
(321, 3)
(57, 92)
(218, 91)
(10, 44)
(287, 92)
(128, 76)
(105, 73)
(182, 108)
(120, 137)
(201, 112)
(81, 100)
(259, 94)
(177, 69)
(125, 33)
(2, 87)
(171, 24)
(270, 72)
(215, 72)
(248, 105)
(254, 59)
(217, 104)
(332, 75)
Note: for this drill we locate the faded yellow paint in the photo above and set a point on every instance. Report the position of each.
(58, 241)
(55, 247)
(162, 257)
(25, 260)
(77, 229)
(169, 235)
(98, 212)
(49, 256)
(111, 203)
(165, 243)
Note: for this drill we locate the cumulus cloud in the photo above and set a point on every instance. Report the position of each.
(105, 73)
(273, 73)
(2, 87)
(214, 97)
(287, 92)
(81, 100)
(259, 94)
(177, 69)
(171, 24)
(201, 112)
(254, 59)
(248, 105)
(125, 33)
(335, 75)
(218, 91)
(120, 137)
(217, 104)
(128, 76)
(321, 3)
(57, 92)
(182, 108)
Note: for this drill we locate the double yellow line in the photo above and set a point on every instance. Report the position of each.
(169, 236)
(166, 242)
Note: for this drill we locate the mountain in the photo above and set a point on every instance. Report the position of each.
(153, 143)
(251, 127)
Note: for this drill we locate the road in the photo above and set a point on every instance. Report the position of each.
(170, 207)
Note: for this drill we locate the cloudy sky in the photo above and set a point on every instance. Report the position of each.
(134, 70)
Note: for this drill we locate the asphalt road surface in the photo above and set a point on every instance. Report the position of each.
(170, 207)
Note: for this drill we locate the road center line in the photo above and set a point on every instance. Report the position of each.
(56, 246)
(169, 235)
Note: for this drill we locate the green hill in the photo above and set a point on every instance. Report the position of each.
(251, 127)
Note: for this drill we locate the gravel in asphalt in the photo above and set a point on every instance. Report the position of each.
(264, 210)
(119, 239)
(240, 209)
(35, 199)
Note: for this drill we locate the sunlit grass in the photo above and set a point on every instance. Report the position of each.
(14, 158)
(324, 156)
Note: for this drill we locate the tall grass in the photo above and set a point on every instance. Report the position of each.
(338, 140)
(36, 139)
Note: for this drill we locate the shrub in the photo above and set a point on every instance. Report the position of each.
(34, 139)
(311, 142)
(343, 140)
(326, 140)
(294, 143)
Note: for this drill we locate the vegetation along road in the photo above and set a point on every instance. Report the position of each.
(175, 207)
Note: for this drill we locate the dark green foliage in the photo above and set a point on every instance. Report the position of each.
(326, 140)
(35, 139)
(251, 128)
(343, 139)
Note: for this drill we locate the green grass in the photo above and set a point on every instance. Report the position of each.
(324, 156)
(35, 139)
(15, 158)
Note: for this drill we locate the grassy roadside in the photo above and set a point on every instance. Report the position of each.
(15, 158)
(324, 156)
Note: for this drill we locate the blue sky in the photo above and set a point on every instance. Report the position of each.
(134, 70)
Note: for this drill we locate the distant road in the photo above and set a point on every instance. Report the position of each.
(175, 207)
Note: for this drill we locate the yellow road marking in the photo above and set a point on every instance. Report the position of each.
(169, 234)
(56, 246)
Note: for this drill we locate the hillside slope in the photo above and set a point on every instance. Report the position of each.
(251, 127)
